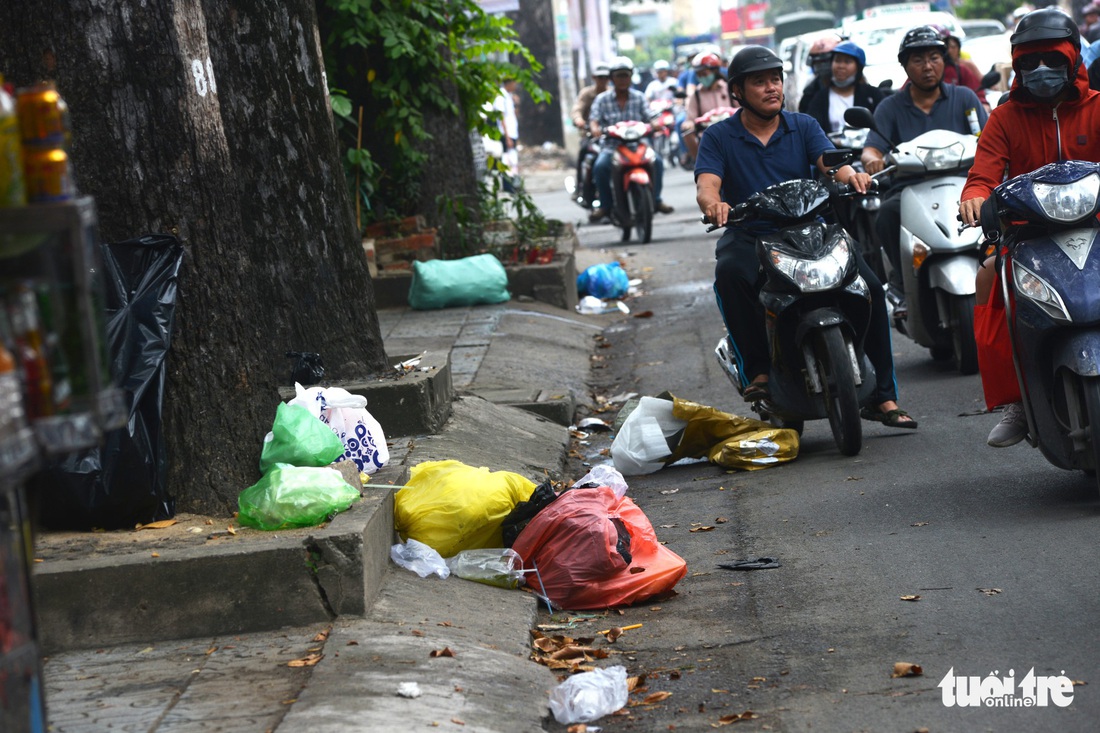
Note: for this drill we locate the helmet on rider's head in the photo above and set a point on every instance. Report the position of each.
(848, 48)
(660, 65)
(620, 63)
(601, 69)
(706, 60)
(750, 60)
(1047, 24)
(921, 38)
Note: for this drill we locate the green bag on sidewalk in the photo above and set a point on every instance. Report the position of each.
(468, 281)
(299, 439)
(289, 496)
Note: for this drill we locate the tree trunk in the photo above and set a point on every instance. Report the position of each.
(535, 25)
(209, 119)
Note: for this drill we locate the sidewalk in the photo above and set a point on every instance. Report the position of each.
(193, 631)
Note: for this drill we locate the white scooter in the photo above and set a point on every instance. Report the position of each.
(939, 262)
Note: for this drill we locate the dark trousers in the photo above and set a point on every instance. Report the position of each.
(737, 282)
(888, 230)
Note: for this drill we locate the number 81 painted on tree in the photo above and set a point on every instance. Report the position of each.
(204, 76)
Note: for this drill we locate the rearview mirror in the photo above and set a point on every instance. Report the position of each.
(836, 158)
(860, 118)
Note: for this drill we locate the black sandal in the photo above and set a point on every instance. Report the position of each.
(890, 418)
(756, 391)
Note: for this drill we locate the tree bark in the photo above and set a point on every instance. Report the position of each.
(209, 119)
(535, 25)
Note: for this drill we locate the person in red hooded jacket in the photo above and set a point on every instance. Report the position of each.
(1051, 115)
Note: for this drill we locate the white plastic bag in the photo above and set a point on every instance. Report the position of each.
(419, 558)
(641, 445)
(605, 475)
(348, 417)
(589, 696)
(499, 566)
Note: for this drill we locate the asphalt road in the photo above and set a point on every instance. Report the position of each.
(1000, 546)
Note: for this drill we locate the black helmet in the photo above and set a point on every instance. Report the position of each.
(1048, 24)
(751, 59)
(924, 36)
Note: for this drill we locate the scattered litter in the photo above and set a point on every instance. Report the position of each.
(990, 591)
(501, 567)
(604, 475)
(590, 305)
(409, 364)
(419, 558)
(589, 696)
(753, 563)
(907, 669)
(444, 652)
(408, 689)
(594, 422)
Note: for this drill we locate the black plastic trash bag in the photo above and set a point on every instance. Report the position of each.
(123, 483)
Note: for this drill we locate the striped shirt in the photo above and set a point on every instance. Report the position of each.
(606, 111)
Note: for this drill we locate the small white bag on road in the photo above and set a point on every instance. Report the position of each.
(641, 445)
(589, 696)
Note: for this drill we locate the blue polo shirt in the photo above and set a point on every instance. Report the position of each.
(900, 120)
(747, 166)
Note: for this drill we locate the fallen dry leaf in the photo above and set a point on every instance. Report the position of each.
(307, 661)
(644, 314)
(733, 718)
(577, 728)
(655, 697)
(352, 643)
(918, 524)
(613, 634)
(417, 632)
(668, 526)
(157, 525)
(910, 598)
(321, 635)
(703, 528)
(456, 721)
(633, 683)
(721, 520)
(211, 650)
(717, 691)
(231, 530)
(990, 591)
(669, 491)
(444, 652)
(155, 554)
(444, 623)
(907, 669)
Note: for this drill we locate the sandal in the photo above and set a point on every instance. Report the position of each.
(890, 418)
(756, 391)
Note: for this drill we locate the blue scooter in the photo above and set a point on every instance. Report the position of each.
(1046, 223)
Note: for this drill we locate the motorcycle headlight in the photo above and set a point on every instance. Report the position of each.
(813, 275)
(935, 159)
(632, 132)
(1039, 291)
(1068, 201)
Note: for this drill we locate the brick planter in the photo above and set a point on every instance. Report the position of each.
(553, 282)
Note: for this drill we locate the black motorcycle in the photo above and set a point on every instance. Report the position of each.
(817, 310)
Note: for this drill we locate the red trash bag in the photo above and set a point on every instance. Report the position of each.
(577, 543)
(999, 382)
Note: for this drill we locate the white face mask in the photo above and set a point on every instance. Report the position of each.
(844, 83)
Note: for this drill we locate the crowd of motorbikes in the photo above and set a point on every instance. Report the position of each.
(1042, 224)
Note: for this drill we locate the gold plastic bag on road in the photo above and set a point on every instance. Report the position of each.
(730, 440)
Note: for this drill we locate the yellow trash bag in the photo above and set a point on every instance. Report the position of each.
(730, 440)
(452, 507)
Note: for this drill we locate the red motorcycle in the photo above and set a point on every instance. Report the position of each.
(664, 123)
(633, 203)
(716, 115)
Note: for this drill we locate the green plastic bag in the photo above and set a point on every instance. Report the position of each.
(299, 439)
(292, 496)
(468, 281)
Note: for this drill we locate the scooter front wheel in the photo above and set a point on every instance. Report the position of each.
(834, 367)
(642, 206)
(1090, 391)
(962, 334)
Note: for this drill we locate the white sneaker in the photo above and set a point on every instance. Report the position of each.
(1011, 429)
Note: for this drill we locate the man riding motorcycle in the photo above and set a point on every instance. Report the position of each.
(761, 145)
(1023, 134)
(925, 103)
(618, 104)
(579, 114)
